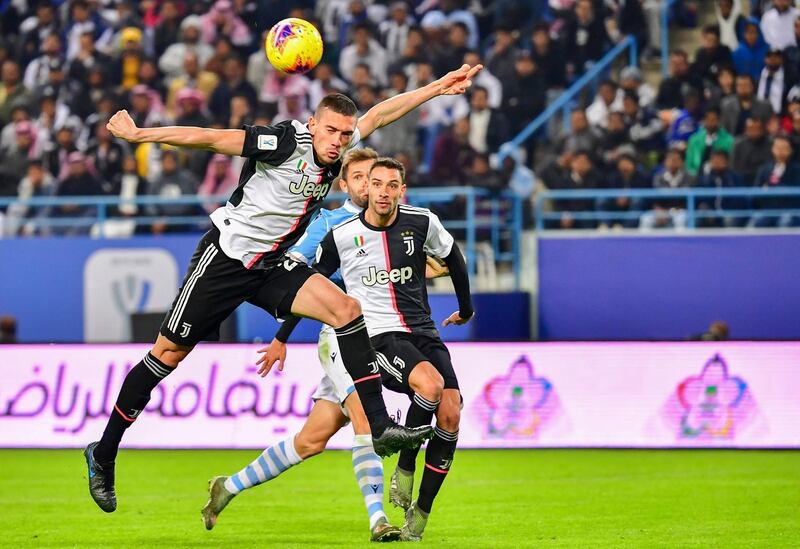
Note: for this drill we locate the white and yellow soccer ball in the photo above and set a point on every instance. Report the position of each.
(294, 46)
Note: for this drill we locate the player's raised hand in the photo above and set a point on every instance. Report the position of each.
(122, 125)
(456, 82)
(274, 352)
(456, 319)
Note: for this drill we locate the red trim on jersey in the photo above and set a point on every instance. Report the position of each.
(390, 284)
(432, 468)
(367, 378)
(291, 229)
(126, 418)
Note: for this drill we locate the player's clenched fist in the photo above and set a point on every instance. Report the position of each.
(122, 125)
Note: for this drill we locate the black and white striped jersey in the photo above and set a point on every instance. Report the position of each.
(280, 190)
(384, 267)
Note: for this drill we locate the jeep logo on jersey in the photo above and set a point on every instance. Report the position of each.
(306, 188)
(374, 276)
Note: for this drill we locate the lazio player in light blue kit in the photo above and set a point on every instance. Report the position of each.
(336, 401)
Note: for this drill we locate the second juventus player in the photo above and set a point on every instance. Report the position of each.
(381, 254)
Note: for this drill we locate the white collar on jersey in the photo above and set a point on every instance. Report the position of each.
(351, 207)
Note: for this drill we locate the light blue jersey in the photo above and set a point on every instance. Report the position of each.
(307, 246)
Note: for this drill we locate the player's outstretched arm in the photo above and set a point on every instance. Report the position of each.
(230, 142)
(458, 273)
(453, 83)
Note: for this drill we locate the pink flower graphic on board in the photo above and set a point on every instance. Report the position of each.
(516, 405)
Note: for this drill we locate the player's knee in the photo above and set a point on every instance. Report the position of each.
(347, 311)
(428, 383)
(448, 416)
(308, 447)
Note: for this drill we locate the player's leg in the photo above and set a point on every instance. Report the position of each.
(441, 448)
(367, 466)
(325, 419)
(213, 287)
(296, 289)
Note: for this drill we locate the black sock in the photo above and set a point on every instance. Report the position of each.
(362, 365)
(133, 397)
(419, 413)
(438, 459)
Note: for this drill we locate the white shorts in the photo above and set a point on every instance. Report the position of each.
(336, 385)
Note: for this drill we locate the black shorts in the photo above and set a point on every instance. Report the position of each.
(215, 285)
(399, 352)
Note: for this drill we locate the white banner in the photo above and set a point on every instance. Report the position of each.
(515, 395)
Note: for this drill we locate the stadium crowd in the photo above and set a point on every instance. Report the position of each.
(729, 117)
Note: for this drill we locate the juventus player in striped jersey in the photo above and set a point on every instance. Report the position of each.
(289, 170)
(382, 256)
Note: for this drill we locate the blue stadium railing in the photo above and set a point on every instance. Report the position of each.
(691, 196)
(565, 100)
(492, 217)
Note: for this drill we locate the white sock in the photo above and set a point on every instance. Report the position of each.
(369, 474)
(272, 462)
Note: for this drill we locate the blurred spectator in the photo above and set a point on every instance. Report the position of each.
(670, 92)
(394, 31)
(687, 121)
(454, 48)
(150, 77)
(400, 136)
(326, 82)
(545, 55)
(79, 182)
(748, 58)
(523, 94)
(606, 100)
(645, 126)
(222, 20)
(37, 183)
(8, 330)
(452, 154)
(720, 176)
(173, 182)
(724, 86)
(105, 152)
(128, 185)
(189, 108)
(751, 151)
(775, 83)
(780, 171)
(167, 31)
(737, 109)
(38, 70)
(488, 128)
(56, 156)
(82, 21)
(579, 135)
(626, 175)
(480, 174)
(632, 79)
(501, 57)
(12, 90)
(454, 12)
(585, 37)
(147, 110)
(557, 170)
(669, 212)
(712, 56)
(35, 29)
(582, 175)
(777, 24)
(233, 84)
(86, 59)
(364, 49)
(731, 22)
(616, 140)
(192, 78)
(220, 180)
(13, 162)
(173, 58)
(710, 137)
(126, 66)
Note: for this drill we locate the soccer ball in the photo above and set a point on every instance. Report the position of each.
(294, 46)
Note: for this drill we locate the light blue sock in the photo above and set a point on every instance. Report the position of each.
(272, 462)
(369, 474)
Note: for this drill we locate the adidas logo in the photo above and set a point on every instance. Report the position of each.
(361, 252)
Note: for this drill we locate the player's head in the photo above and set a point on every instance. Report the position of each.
(355, 174)
(332, 126)
(387, 185)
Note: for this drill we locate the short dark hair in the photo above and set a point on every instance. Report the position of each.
(390, 163)
(712, 29)
(720, 152)
(713, 109)
(338, 103)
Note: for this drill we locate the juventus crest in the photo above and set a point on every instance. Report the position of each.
(408, 240)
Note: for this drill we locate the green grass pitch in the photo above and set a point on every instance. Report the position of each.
(524, 498)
